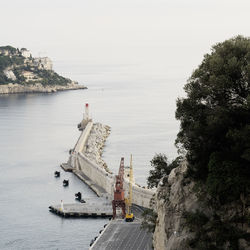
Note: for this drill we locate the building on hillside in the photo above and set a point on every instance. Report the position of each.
(25, 53)
(43, 63)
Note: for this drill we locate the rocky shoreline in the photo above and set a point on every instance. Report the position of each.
(95, 144)
(37, 88)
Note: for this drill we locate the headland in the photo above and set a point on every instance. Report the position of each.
(20, 72)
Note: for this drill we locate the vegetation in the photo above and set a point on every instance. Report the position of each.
(11, 49)
(215, 134)
(214, 138)
(212, 233)
(161, 168)
(6, 61)
(15, 61)
(215, 120)
(52, 78)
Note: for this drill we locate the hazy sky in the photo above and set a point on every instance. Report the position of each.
(158, 37)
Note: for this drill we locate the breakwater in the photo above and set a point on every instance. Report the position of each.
(86, 164)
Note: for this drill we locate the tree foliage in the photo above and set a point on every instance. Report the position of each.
(215, 120)
(212, 233)
(161, 167)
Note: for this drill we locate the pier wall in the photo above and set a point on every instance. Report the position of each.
(140, 196)
(97, 174)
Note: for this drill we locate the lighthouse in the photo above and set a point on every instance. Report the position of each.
(86, 118)
(86, 115)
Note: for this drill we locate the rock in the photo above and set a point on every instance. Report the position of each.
(177, 196)
(9, 74)
(171, 201)
(37, 88)
(96, 142)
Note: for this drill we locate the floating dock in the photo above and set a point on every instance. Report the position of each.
(100, 209)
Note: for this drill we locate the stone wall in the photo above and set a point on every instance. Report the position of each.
(140, 196)
(96, 173)
(99, 175)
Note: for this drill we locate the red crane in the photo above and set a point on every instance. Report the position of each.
(119, 200)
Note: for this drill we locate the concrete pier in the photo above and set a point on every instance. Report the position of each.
(86, 163)
(85, 158)
(88, 209)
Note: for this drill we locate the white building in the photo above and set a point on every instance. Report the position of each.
(43, 63)
(25, 53)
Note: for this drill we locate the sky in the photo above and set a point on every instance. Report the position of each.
(159, 38)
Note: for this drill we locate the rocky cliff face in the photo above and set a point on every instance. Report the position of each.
(176, 197)
(172, 200)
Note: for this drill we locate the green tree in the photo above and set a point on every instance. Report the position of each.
(161, 167)
(215, 120)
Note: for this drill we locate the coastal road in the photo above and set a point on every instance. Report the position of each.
(123, 236)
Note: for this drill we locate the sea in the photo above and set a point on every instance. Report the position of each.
(38, 130)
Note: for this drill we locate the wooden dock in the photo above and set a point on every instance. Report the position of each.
(99, 209)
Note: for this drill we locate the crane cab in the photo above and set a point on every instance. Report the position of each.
(129, 217)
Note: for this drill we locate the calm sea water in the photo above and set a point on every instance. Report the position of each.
(36, 133)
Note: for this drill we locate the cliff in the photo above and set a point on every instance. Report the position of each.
(187, 221)
(172, 199)
(22, 73)
(206, 204)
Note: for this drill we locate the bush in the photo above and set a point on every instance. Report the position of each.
(161, 168)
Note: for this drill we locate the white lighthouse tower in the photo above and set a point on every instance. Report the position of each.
(86, 118)
(86, 115)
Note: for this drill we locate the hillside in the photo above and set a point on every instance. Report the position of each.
(204, 202)
(20, 72)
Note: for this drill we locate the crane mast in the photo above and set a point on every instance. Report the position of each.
(129, 215)
(119, 200)
(130, 185)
